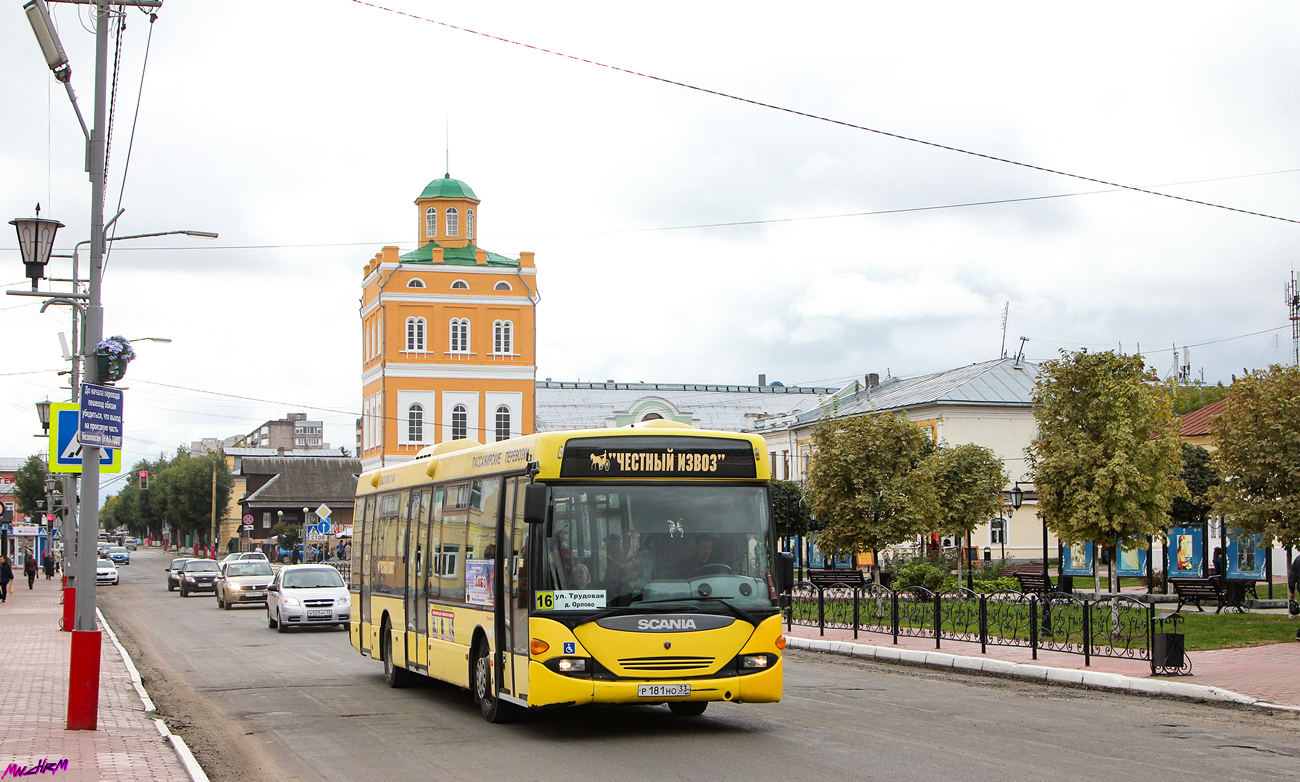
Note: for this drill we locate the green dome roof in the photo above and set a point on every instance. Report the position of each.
(448, 188)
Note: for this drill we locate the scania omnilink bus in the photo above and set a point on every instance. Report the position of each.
(630, 565)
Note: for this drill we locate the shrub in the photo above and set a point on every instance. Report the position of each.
(936, 578)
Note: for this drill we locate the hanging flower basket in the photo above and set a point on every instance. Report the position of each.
(112, 354)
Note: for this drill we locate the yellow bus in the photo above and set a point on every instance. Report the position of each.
(630, 565)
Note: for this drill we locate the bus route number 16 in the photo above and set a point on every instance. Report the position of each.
(545, 601)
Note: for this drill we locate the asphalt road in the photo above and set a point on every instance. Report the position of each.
(258, 705)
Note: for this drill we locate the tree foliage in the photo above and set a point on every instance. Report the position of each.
(29, 486)
(789, 510)
(287, 534)
(968, 480)
(1187, 397)
(1258, 438)
(864, 482)
(1199, 476)
(1107, 457)
(179, 495)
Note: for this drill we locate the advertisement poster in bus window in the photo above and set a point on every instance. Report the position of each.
(1132, 563)
(478, 582)
(1077, 559)
(1186, 546)
(1246, 556)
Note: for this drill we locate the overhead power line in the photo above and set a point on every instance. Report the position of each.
(819, 118)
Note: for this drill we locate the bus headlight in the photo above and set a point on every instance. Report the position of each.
(754, 661)
(572, 665)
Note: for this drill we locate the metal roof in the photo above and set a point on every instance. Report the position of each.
(455, 256)
(448, 188)
(1002, 383)
(729, 408)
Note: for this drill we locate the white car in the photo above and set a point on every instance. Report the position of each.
(303, 595)
(106, 572)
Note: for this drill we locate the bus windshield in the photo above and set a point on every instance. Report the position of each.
(658, 543)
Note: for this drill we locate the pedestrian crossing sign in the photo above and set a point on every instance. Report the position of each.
(65, 450)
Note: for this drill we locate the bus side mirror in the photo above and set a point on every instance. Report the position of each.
(786, 570)
(536, 499)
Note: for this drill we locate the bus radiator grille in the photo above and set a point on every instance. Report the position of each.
(666, 663)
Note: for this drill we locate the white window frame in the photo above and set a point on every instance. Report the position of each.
(415, 282)
(459, 336)
(469, 224)
(431, 222)
(417, 332)
(415, 423)
(459, 285)
(502, 409)
(459, 418)
(502, 285)
(503, 338)
(452, 221)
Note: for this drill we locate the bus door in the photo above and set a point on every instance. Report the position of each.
(516, 598)
(417, 598)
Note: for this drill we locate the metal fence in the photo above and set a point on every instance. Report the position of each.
(1114, 626)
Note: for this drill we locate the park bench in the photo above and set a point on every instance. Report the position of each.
(1194, 590)
(833, 578)
(1033, 580)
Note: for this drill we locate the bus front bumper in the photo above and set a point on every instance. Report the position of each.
(548, 688)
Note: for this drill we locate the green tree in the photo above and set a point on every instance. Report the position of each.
(1199, 476)
(1107, 456)
(287, 534)
(29, 486)
(789, 510)
(967, 483)
(864, 483)
(1193, 396)
(1258, 438)
(185, 491)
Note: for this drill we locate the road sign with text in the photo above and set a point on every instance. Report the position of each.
(101, 416)
(65, 448)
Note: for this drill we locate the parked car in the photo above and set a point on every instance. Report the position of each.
(106, 572)
(240, 556)
(243, 581)
(120, 555)
(198, 575)
(174, 572)
(304, 595)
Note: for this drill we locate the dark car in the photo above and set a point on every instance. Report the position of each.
(199, 575)
(174, 572)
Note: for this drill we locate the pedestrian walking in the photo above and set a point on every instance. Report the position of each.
(1292, 588)
(29, 568)
(48, 562)
(6, 575)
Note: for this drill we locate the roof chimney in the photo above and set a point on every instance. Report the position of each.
(873, 380)
(762, 380)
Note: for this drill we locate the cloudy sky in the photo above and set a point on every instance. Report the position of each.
(302, 132)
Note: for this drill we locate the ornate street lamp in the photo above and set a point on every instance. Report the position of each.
(1017, 496)
(35, 240)
(43, 411)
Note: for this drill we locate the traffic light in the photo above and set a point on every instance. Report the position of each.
(49, 518)
(144, 479)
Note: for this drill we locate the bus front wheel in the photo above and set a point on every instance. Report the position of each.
(688, 708)
(494, 709)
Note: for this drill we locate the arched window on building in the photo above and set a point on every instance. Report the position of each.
(502, 286)
(453, 221)
(415, 424)
(430, 223)
(503, 423)
(459, 422)
(469, 224)
(415, 282)
(415, 329)
(651, 417)
(460, 285)
(460, 335)
(503, 337)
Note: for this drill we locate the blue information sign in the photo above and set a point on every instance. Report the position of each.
(1077, 559)
(1186, 552)
(1246, 555)
(1132, 563)
(101, 416)
(65, 447)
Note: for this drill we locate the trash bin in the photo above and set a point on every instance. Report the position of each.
(1167, 650)
(886, 579)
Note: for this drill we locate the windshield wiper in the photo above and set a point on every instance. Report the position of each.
(744, 615)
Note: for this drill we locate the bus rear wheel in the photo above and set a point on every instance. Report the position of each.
(688, 708)
(395, 677)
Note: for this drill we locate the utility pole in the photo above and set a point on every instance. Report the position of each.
(214, 507)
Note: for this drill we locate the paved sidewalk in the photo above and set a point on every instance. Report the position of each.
(127, 746)
(1268, 673)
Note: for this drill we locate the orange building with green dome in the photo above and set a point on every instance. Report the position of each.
(448, 336)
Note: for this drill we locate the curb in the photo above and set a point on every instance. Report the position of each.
(187, 758)
(982, 666)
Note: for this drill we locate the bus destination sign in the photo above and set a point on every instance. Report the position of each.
(658, 457)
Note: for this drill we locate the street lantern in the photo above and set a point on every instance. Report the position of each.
(35, 240)
(1017, 496)
(43, 412)
(39, 17)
